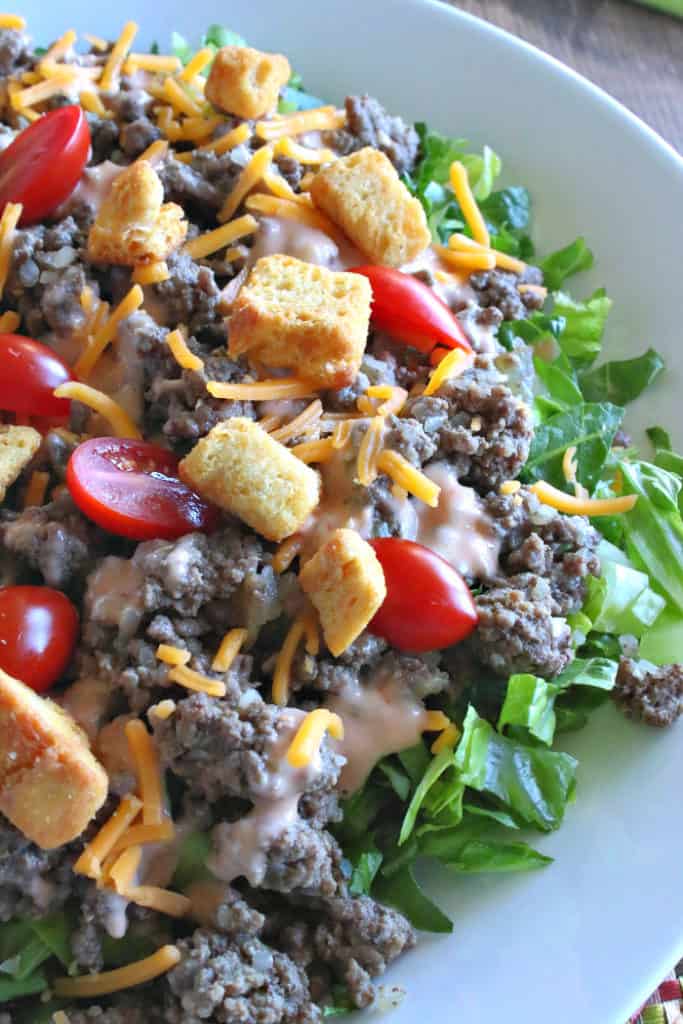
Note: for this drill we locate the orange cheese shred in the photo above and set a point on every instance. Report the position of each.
(36, 490)
(138, 835)
(13, 21)
(118, 55)
(172, 655)
(369, 450)
(314, 451)
(192, 680)
(301, 424)
(303, 154)
(212, 241)
(123, 870)
(90, 861)
(230, 647)
(435, 721)
(286, 553)
(452, 365)
(283, 664)
(9, 322)
(407, 476)
(301, 211)
(261, 390)
(462, 243)
(309, 736)
(318, 119)
(248, 179)
(173, 904)
(576, 506)
(197, 64)
(8, 225)
(151, 273)
(483, 259)
(155, 152)
(89, 986)
(119, 420)
(146, 760)
(447, 740)
(186, 359)
(107, 332)
(460, 184)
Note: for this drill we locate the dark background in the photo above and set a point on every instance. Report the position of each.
(633, 52)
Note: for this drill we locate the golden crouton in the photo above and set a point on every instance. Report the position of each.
(50, 783)
(133, 224)
(246, 82)
(242, 469)
(18, 445)
(303, 317)
(364, 195)
(345, 582)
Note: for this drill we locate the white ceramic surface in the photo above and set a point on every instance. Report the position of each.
(586, 940)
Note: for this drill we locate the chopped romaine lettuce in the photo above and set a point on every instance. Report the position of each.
(437, 767)
(215, 37)
(560, 265)
(662, 644)
(402, 891)
(482, 171)
(366, 860)
(590, 427)
(621, 381)
(585, 322)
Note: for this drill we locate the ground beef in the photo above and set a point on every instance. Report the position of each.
(498, 289)
(32, 881)
(56, 540)
(517, 631)
(226, 980)
(650, 693)
(291, 170)
(222, 751)
(535, 538)
(129, 102)
(201, 186)
(479, 425)
(146, 1014)
(368, 124)
(235, 916)
(136, 136)
(104, 135)
(47, 277)
(190, 296)
(15, 51)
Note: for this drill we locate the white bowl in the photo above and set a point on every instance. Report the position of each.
(587, 939)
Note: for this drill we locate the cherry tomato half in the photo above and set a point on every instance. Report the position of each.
(131, 488)
(43, 165)
(410, 311)
(38, 632)
(428, 604)
(29, 373)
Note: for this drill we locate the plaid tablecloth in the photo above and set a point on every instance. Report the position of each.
(665, 1006)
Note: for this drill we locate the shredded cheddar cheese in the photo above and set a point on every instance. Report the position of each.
(197, 64)
(461, 243)
(269, 423)
(309, 736)
(219, 238)
(369, 450)
(163, 710)
(318, 119)
(248, 179)
(13, 21)
(118, 419)
(447, 740)
(235, 137)
(303, 154)
(283, 664)
(279, 186)
(36, 490)
(91, 102)
(394, 398)
(60, 1017)
(139, 835)
(90, 861)
(118, 55)
(180, 99)
(123, 870)
(301, 424)
(97, 42)
(572, 505)
(173, 904)
(452, 365)
(172, 655)
(460, 184)
(533, 289)
(146, 760)
(192, 680)
(230, 647)
(481, 260)
(155, 152)
(261, 390)
(107, 332)
(314, 451)
(407, 476)
(89, 986)
(274, 206)
(307, 181)
(286, 553)
(151, 273)
(154, 62)
(9, 322)
(435, 721)
(8, 225)
(341, 434)
(181, 353)
(569, 465)
(510, 487)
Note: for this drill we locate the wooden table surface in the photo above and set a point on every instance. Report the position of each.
(632, 52)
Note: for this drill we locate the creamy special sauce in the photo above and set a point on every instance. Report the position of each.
(87, 701)
(283, 235)
(114, 595)
(458, 529)
(94, 186)
(380, 718)
(241, 847)
(337, 508)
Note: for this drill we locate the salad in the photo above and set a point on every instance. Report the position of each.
(320, 527)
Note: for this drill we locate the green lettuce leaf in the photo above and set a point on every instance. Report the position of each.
(215, 37)
(660, 438)
(533, 783)
(403, 892)
(466, 850)
(581, 338)
(435, 770)
(193, 853)
(482, 171)
(562, 389)
(590, 427)
(16, 988)
(662, 644)
(366, 860)
(560, 265)
(537, 328)
(623, 380)
(620, 601)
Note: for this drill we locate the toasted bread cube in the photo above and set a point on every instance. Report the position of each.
(246, 82)
(306, 318)
(240, 468)
(18, 445)
(345, 582)
(50, 783)
(133, 224)
(364, 195)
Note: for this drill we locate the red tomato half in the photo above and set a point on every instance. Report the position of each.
(131, 488)
(410, 311)
(29, 373)
(38, 632)
(43, 165)
(428, 604)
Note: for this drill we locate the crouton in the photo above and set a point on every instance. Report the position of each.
(345, 582)
(18, 445)
(306, 318)
(50, 783)
(364, 195)
(242, 469)
(246, 82)
(133, 224)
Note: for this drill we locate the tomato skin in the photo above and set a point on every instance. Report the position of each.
(43, 165)
(131, 488)
(30, 373)
(428, 604)
(38, 632)
(410, 311)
